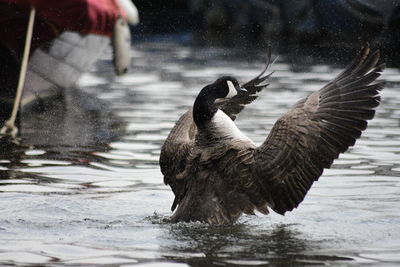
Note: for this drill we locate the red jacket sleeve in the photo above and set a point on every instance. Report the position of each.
(84, 16)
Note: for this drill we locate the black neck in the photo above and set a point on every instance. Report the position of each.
(204, 108)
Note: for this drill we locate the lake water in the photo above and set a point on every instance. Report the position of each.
(83, 187)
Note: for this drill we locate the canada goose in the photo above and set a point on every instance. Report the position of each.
(217, 173)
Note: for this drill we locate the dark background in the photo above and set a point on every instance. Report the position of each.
(321, 28)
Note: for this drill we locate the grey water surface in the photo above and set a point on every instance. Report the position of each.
(83, 187)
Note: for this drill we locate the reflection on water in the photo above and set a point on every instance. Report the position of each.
(238, 244)
(83, 186)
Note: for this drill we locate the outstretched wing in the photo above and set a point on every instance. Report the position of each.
(175, 152)
(236, 104)
(315, 131)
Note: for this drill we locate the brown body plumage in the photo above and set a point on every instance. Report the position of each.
(216, 176)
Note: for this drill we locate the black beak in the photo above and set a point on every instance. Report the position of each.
(241, 90)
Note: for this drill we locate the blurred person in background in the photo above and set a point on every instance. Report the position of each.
(68, 37)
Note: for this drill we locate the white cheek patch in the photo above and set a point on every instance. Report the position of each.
(232, 90)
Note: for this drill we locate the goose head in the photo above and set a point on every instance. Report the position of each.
(221, 90)
(227, 87)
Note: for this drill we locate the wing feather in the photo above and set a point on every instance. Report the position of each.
(315, 131)
(175, 152)
(236, 104)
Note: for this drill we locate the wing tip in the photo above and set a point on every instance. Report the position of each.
(261, 77)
